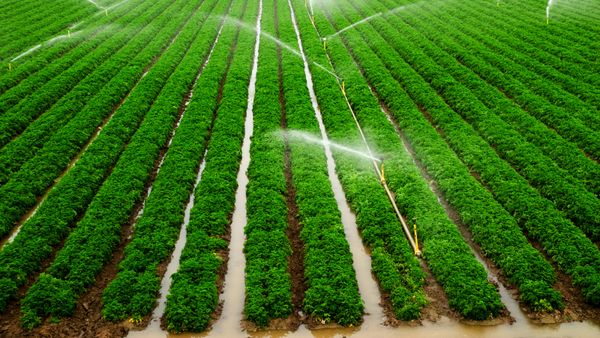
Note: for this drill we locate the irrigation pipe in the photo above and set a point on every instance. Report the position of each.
(378, 169)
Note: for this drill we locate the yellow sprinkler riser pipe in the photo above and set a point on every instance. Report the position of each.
(379, 171)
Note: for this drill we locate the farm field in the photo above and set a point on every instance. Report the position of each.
(301, 168)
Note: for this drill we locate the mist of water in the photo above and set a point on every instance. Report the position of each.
(75, 25)
(367, 19)
(96, 4)
(276, 40)
(43, 44)
(353, 25)
(548, 7)
(27, 52)
(296, 135)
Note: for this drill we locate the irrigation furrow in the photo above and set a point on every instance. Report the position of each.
(294, 230)
(233, 295)
(194, 293)
(360, 258)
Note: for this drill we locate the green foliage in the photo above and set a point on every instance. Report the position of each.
(48, 296)
(70, 197)
(331, 287)
(194, 295)
(91, 244)
(133, 293)
(540, 297)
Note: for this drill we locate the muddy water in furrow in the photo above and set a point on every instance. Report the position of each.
(361, 259)
(233, 296)
(153, 329)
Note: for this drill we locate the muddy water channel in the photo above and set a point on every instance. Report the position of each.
(444, 328)
(361, 260)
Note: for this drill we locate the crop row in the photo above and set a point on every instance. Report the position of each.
(37, 174)
(98, 233)
(52, 94)
(69, 198)
(18, 84)
(562, 31)
(331, 288)
(564, 154)
(560, 238)
(267, 248)
(393, 261)
(133, 293)
(568, 35)
(572, 77)
(526, 77)
(194, 293)
(67, 201)
(418, 203)
(43, 28)
(553, 183)
(50, 56)
(492, 227)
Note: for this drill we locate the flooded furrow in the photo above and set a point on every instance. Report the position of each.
(233, 295)
(94, 136)
(154, 327)
(367, 286)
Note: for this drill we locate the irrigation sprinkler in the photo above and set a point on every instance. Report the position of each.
(379, 169)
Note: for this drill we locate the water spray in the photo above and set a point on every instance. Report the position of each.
(550, 3)
(367, 19)
(377, 162)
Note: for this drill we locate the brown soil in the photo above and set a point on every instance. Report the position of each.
(576, 309)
